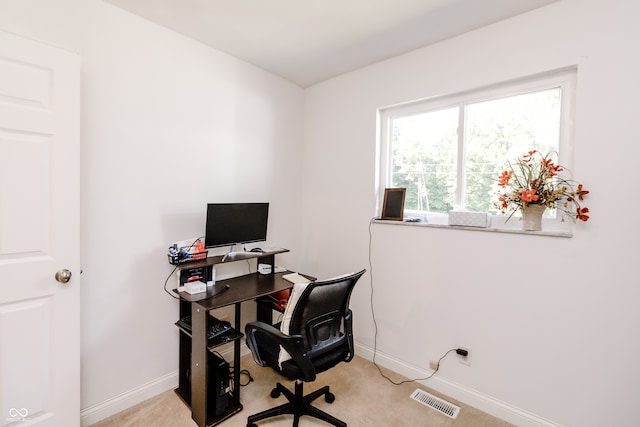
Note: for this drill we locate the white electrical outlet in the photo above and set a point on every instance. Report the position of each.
(465, 360)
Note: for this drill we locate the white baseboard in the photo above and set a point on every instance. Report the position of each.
(466, 395)
(100, 411)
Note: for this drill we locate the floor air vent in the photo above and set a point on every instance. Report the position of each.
(436, 403)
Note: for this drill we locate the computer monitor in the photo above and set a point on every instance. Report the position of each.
(235, 223)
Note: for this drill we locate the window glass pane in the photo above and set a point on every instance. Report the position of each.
(424, 149)
(451, 157)
(504, 129)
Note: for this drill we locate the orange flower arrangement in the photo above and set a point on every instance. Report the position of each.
(534, 179)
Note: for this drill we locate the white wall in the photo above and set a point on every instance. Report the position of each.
(553, 323)
(168, 125)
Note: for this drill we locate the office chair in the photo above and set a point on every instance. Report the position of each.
(320, 335)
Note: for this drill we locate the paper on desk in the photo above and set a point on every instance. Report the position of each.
(295, 278)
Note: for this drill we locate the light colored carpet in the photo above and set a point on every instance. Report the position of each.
(363, 398)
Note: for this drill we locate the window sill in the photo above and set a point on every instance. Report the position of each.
(548, 233)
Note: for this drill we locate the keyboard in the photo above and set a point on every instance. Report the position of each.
(215, 330)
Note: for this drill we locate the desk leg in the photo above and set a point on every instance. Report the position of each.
(199, 365)
(236, 361)
(269, 260)
(264, 313)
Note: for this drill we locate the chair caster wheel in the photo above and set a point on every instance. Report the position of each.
(275, 393)
(329, 397)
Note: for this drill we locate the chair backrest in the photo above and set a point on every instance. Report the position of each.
(319, 316)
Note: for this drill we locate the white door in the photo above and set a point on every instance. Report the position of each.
(39, 234)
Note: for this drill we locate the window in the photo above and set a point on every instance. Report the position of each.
(448, 151)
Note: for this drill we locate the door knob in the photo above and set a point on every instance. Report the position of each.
(63, 276)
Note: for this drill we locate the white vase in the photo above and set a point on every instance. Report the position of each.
(532, 217)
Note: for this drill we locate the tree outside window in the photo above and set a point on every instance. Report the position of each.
(450, 157)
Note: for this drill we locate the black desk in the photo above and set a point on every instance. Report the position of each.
(194, 348)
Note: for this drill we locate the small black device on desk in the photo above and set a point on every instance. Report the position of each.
(216, 328)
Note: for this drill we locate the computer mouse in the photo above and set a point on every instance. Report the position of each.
(256, 250)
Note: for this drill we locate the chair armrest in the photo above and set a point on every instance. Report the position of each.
(250, 332)
(293, 344)
(348, 330)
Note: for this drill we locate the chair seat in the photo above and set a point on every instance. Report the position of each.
(270, 350)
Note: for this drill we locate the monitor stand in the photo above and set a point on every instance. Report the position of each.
(235, 256)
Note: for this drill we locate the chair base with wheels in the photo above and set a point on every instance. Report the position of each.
(298, 405)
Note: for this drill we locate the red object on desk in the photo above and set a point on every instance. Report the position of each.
(281, 298)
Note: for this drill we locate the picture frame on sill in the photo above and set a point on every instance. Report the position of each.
(393, 205)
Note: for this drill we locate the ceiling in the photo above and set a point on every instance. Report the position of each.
(308, 41)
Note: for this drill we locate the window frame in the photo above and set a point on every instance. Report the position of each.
(565, 78)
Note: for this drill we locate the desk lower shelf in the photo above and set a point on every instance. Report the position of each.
(228, 337)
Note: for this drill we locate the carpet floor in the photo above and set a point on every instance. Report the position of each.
(363, 398)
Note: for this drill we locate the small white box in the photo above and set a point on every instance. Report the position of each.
(195, 287)
(470, 219)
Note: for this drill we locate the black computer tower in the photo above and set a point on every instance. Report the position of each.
(219, 396)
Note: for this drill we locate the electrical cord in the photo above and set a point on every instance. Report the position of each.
(248, 374)
(167, 281)
(171, 294)
(242, 372)
(223, 290)
(415, 379)
(375, 325)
